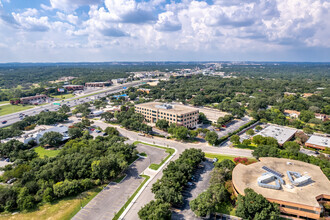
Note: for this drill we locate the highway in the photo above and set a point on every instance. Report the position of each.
(14, 117)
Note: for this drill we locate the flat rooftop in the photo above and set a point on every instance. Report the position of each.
(281, 134)
(245, 176)
(319, 140)
(176, 109)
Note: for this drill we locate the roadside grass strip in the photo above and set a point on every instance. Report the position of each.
(154, 166)
(131, 198)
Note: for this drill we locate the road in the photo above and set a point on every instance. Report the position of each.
(147, 195)
(110, 200)
(14, 117)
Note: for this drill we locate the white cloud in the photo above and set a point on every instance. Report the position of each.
(155, 29)
(71, 5)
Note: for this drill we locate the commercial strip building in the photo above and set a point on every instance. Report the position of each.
(38, 134)
(281, 134)
(318, 142)
(73, 87)
(98, 84)
(37, 99)
(177, 114)
(299, 188)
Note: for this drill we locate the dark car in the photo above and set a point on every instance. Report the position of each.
(4, 122)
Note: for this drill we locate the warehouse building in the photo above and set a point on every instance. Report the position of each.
(299, 188)
(73, 87)
(281, 134)
(177, 114)
(318, 142)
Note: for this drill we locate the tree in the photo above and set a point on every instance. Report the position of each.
(75, 132)
(308, 130)
(111, 131)
(292, 147)
(235, 139)
(162, 124)
(211, 137)
(25, 201)
(255, 206)
(193, 133)
(181, 132)
(250, 132)
(202, 118)
(107, 116)
(155, 210)
(64, 109)
(258, 128)
(51, 138)
(306, 115)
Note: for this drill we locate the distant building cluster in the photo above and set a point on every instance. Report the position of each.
(177, 114)
(98, 84)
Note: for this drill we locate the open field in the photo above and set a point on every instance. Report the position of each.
(8, 109)
(4, 102)
(42, 152)
(64, 96)
(63, 209)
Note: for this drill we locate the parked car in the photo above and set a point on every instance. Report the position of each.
(4, 122)
(215, 160)
(97, 131)
(141, 134)
(11, 180)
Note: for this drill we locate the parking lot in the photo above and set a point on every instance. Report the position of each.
(212, 114)
(200, 183)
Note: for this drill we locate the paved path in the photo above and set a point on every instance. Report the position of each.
(110, 200)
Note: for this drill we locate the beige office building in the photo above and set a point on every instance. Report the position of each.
(178, 114)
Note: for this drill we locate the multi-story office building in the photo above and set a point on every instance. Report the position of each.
(177, 114)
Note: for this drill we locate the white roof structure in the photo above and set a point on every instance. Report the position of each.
(319, 140)
(281, 134)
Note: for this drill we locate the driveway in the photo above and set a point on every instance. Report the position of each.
(110, 200)
(203, 176)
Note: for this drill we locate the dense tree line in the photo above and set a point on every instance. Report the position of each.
(168, 189)
(80, 165)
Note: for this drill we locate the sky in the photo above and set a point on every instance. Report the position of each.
(164, 30)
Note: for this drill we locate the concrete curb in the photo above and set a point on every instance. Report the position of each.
(146, 184)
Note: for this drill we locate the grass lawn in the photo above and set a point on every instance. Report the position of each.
(131, 198)
(63, 209)
(64, 96)
(42, 152)
(154, 166)
(223, 157)
(8, 109)
(143, 154)
(243, 146)
(4, 102)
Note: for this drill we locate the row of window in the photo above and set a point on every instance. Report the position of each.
(301, 209)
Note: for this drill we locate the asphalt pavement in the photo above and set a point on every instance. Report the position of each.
(110, 200)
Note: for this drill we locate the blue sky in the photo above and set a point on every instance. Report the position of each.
(164, 30)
